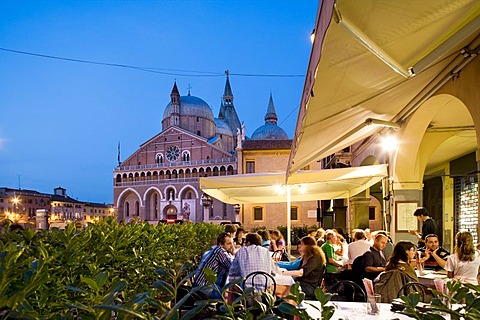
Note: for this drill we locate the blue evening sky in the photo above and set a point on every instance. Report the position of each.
(61, 121)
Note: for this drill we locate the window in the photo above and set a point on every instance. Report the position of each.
(371, 213)
(250, 166)
(186, 156)
(159, 159)
(294, 213)
(127, 209)
(198, 133)
(258, 213)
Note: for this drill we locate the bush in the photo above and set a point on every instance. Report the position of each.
(91, 271)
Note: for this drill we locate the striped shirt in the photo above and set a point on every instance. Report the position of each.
(217, 259)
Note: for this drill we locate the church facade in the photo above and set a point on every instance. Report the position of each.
(160, 180)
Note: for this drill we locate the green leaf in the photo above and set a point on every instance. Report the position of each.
(101, 279)
(90, 282)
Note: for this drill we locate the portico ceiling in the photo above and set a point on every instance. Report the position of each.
(382, 59)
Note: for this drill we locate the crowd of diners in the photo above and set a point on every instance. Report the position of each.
(327, 256)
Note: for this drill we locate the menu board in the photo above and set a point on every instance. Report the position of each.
(405, 218)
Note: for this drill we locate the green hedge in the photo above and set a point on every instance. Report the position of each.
(61, 273)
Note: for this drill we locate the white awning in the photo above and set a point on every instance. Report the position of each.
(377, 59)
(304, 185)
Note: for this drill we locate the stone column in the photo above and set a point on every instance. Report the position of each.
(359, 209)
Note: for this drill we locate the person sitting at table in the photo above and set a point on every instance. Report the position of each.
(239, 241)
(265, 238)
(276, 241)
(398, 271)
(320, 237)
(374, 260)
(311, 268)
(433, 255)
(231, 229)
(464, 263)
(252, 257)
(219, 259)
(332, 264)
(358, 247)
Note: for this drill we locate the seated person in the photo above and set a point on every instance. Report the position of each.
(239, 241)
(333, 264)
(253, 257)
(398, 271)
(265, 238)
(433, 256)
(312, 265)
(219, 259)
(374, 260)
(358, 247)
(464, 263)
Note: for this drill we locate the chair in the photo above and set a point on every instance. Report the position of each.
(280, 255)
(260, 281)
(347, 290)
(424, 291)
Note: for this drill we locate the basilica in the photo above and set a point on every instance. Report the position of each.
(161, 179)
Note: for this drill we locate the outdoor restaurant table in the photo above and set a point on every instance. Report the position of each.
(428, 276)
(353, 311)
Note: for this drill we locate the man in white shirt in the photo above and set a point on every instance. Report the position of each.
(358, 247)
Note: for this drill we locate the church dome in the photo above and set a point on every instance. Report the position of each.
(269, 131)
(223, 128)
(191, 106)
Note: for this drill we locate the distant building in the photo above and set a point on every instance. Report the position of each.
(161, 179)
(21, 205)
(268, 150)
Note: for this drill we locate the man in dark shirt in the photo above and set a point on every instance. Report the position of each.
(433, 256)
(374, 260)
(428, 225)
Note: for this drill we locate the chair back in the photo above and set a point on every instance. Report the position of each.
(424, 291)
(260, 281)
(277, 255)
(347, 290)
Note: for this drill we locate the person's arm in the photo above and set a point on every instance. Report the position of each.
(374, 269)
(368, 262)
(334, 262)
(416, 233)
(293, 273)
(439, 259)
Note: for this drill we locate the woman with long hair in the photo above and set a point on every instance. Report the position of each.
(464, 263)
(398, 271)
(276, 241)
(403, 253)
(311, 267)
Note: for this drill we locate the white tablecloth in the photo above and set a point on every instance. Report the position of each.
(427, 276)
(353, 311)
(284, 280)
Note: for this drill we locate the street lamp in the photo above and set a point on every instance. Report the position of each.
(206, 202)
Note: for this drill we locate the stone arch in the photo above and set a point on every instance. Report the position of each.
(430, 133)
(118, 179)
(188, 173)
(215, 171)
(194, 173)
(170, 193)
(230, 170)
(129, 196)
(152, 199)
(186, 189)
(208, 172)
(223, 171)
(370, 160)
(170, 212)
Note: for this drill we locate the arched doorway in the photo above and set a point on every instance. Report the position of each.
(170, 212)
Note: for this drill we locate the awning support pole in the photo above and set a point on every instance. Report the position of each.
(289, 222)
